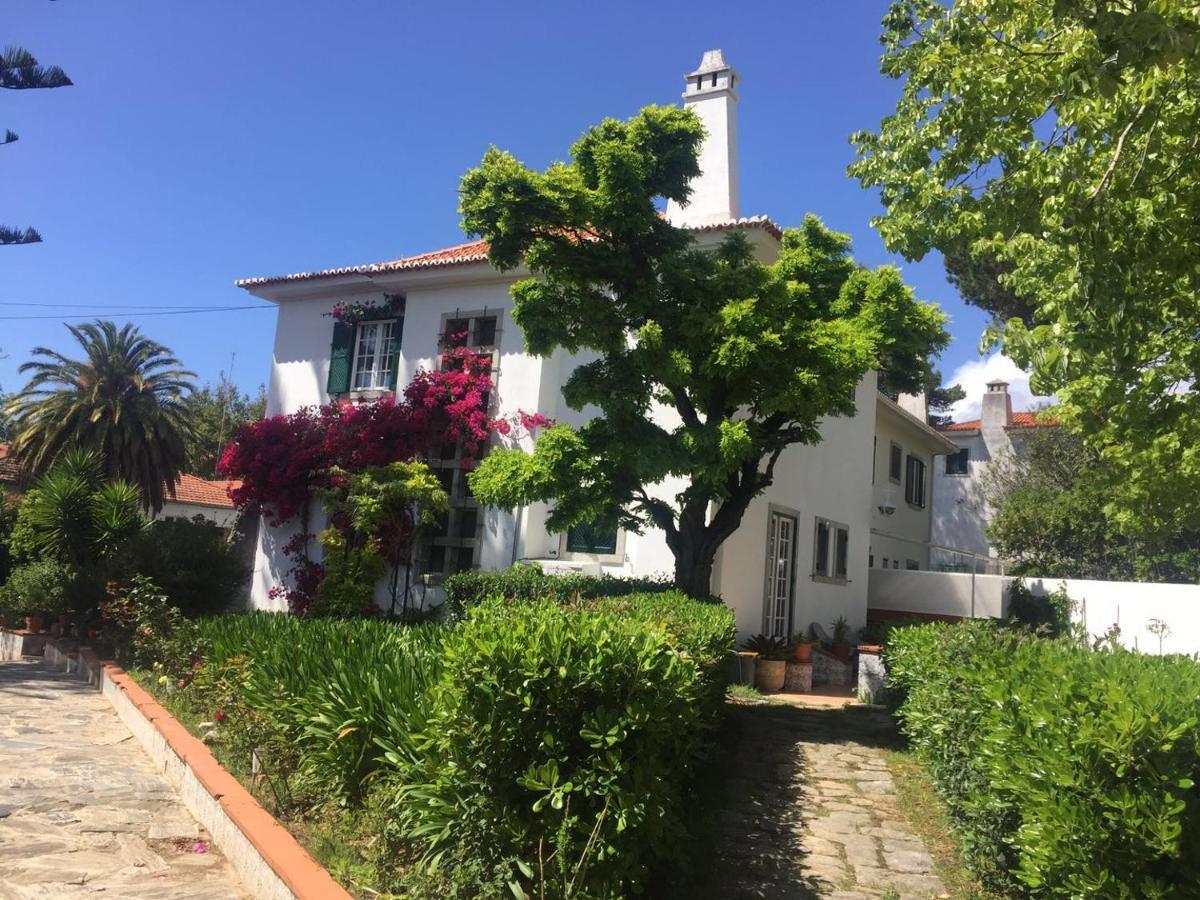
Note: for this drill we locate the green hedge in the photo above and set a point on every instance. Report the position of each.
(1068, 772)
(528, 582)
(564, 737)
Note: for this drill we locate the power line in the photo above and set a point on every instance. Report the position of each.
(170, 312)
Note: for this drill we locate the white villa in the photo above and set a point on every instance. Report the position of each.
(960, 515)
(859, 498)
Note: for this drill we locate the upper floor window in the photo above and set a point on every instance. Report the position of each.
(914, 484)
(478, 332)
(895, 463)
(956, 463)
(374, 356)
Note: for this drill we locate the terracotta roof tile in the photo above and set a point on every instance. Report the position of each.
(473, 252)
(191, 489)
(1030, 419)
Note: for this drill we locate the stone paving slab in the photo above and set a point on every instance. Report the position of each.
(83, 813)
(809, 810)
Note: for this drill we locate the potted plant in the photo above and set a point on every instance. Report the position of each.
(771, 665)
(802, 648)
(841, 636)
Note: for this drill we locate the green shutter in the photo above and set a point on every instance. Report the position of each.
(397, 333)
(341, 356)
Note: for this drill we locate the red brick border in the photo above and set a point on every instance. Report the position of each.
(287, 859)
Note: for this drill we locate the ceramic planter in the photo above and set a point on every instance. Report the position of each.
(802, 652)
(769, 674)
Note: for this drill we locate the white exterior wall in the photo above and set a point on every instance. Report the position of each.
(1097, 604)
(221, 515)
(828, 480)
(960, 516)
(904, 533)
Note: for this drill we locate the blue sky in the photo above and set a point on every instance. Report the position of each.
(204, 142)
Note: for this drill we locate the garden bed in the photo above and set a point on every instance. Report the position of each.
(534, 746)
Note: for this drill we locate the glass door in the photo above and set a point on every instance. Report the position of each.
(781, 557)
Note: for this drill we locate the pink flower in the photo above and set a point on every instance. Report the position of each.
(218, 716)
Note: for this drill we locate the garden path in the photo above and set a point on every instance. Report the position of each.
(82, 808)
(808, 809)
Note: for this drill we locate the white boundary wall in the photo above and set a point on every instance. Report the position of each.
(1098, 604)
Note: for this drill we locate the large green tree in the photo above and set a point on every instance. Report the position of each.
(705, 365)
(1048, 517)
(20, 71)
(215, 411)
(124, 399)
(1057, 144)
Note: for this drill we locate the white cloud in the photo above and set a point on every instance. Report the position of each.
(974, 376)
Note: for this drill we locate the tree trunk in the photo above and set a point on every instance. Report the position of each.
(694, 566)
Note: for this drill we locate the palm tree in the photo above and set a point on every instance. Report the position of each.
(124, 400)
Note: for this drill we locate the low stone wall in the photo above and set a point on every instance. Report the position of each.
(15, 644)
(872, 676)
(269, 861)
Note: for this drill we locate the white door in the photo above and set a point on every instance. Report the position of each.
(781, 556)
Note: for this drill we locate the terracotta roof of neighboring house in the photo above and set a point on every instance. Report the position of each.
(473, 252)
(191, 489)
(1028, 419)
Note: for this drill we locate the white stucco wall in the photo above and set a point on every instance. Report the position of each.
(174, 509)
(904, 533)
(960, 516)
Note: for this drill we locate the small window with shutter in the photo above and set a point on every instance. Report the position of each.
(364, 357)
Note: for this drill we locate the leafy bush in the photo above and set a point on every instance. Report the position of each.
(140, 627)
(1049, 614)
(565, 736)
(32, 588)
(1068, 772)
(194, 563)
(526, 582)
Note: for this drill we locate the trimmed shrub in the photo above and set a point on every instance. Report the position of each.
(564, 737)
(1068, 772)
(1049, 615)
(528, 582)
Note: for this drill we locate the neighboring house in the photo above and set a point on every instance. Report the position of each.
(801, 553)
(194, 496)
(191, 496)
(907, 451)
(960, 514)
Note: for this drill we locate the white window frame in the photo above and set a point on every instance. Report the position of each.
(381, 363)
(769, 576)
(908, 486)
(830, 575)
(892, 448)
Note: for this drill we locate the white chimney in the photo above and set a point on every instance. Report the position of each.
(914, 404)
(710, 94)
(995, 417)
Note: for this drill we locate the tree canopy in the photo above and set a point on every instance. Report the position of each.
(1057, 145)
(709, 363)
(124, 400)
(1048, 518)
(215, 413)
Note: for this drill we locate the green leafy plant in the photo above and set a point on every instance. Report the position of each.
(528, 582)
(39, 587)
(768, 647)
(841, 630)
(194, 561)
(1048, 614)
(139, 627)
(1067, 772)
(564, 736)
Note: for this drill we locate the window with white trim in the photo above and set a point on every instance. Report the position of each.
(831, 551)
(914, 483)
(374, 355)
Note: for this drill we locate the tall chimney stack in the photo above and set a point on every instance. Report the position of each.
(710, 94)
(995, 416)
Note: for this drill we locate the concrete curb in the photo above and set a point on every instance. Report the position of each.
(269, 861)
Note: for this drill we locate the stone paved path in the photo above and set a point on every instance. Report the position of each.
(808, 810)
(83, 813)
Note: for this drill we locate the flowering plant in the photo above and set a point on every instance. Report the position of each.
(352, 312)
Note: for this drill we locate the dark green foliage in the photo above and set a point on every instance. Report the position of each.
(193, 561)
(768, 647)
(215, 412)
(1049, 614)
(524, 582)
(566, 736)
(1067, 772)
(139, 627)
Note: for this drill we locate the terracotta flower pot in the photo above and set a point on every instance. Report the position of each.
(769, 674)
(802, 652)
